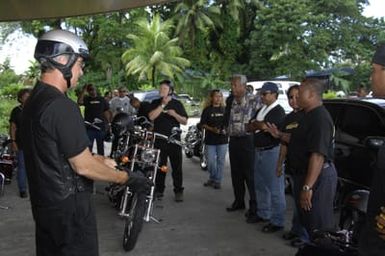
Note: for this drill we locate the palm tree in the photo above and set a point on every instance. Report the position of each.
(194, 15)
(153, 51)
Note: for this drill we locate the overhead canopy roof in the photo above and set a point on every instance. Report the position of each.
(16, 10)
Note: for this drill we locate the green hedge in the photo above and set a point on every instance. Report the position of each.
(6, 106)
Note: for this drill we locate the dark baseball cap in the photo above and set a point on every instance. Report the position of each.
(269, 86)
(379, 55)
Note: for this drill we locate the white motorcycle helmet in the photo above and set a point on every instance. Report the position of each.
(60, 42)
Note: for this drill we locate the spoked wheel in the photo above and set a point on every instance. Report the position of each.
(133, 224)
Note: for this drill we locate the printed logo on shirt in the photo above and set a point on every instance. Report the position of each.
(293, 125)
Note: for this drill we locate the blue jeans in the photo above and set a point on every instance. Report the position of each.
(94, 134)
(269, 189)
(21, 173)
(215, 161)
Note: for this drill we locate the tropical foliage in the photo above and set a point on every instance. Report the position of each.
(153, 51)
(200, 43)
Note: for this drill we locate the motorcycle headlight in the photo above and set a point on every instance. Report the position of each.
(148, 155)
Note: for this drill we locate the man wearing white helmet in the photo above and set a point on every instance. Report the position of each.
(59, 164)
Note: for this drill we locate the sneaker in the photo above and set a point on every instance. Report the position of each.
(217, 185)
(23, 194)
(208, 183)
(178, 197)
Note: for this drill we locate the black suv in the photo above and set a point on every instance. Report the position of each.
(359, 132)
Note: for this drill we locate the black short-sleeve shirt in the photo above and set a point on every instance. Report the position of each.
(291, 121)
(52, 131)
(16, 119)
(370, 242)
(164, 122)
(213, 116)
(94, 107)
(314, 134)
(264, 139)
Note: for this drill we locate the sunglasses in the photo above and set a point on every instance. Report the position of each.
(265, 93)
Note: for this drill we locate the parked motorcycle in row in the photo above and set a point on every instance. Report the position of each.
(195, 145)
(136, 153)
(7, 158)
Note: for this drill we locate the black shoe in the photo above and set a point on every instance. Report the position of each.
(297, 243)
(179, 196)
(253, 218)
(23, 194)
(289, 236)
(217, 185)
(235, 207)
(271, 228)
(208, 183)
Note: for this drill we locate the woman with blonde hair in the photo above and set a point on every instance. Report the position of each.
(216, 141)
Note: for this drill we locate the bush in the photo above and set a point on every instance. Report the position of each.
(6, 106)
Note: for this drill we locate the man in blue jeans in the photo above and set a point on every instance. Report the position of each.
(17, 146)
(269, 188)
(96, 112)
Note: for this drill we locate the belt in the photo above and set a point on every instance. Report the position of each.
(265, 148)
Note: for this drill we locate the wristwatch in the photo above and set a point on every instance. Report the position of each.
(307, 188)
(163, 106)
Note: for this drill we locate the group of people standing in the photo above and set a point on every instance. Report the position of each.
(264, 143)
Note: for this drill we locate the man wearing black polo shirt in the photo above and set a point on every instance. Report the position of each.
(96, 110)
(59, 165)
(167, 113)
(372, 238)
(269, 188)
(310, 157)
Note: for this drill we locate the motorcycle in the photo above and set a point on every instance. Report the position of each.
(7, 159)
(345, 241)
(195, 146)
(136, 153)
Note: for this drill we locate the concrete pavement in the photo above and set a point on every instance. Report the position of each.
(198, 226)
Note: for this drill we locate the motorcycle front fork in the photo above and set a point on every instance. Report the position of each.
(124, 212)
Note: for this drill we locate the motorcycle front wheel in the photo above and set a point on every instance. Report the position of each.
(134, 223)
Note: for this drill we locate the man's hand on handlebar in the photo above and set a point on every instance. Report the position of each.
(138, 182)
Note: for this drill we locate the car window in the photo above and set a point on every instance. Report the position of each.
(359, 122)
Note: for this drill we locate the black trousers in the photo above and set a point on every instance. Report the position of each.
(241, 152)
(174, 153)
(321, 215)
(68, 228)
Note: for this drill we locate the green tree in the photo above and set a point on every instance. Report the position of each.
(153, 52)
(193, 17)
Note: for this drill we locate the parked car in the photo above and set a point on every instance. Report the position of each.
(192, 106)
(283, 86)
(147, 96)
(359, 132)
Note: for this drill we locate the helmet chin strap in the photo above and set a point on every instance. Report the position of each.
(66, 69)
